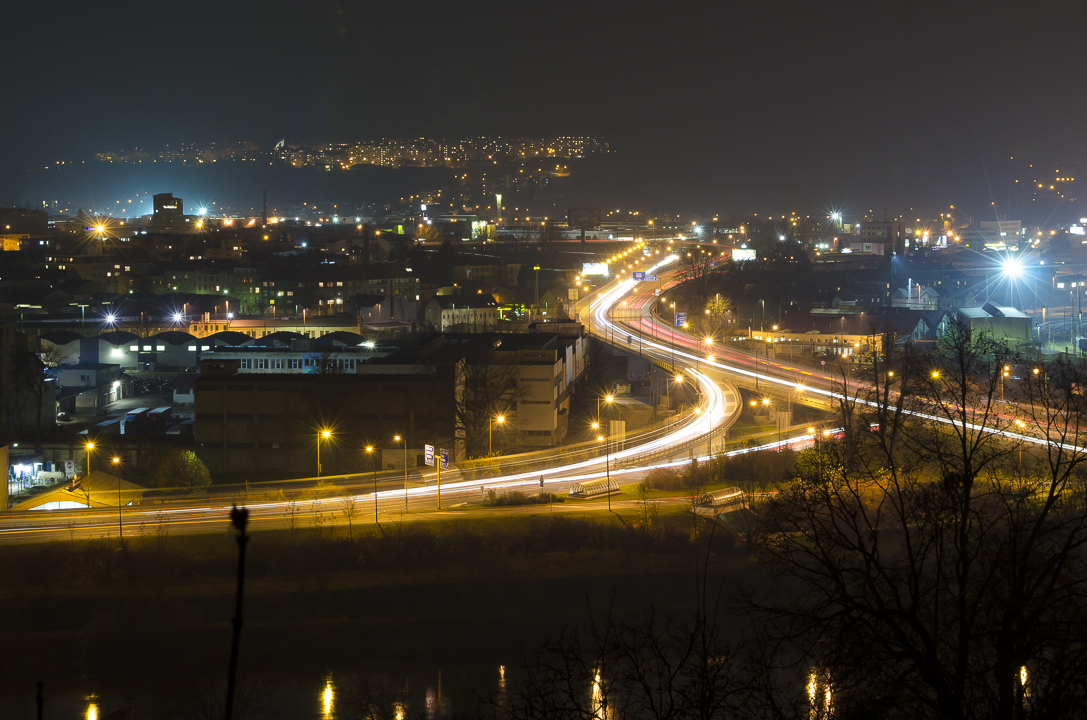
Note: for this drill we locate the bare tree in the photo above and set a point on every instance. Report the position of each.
(651, 666)
(932, 571)
(696, 268)
(350, 508)
(483, 387)
(35, 371)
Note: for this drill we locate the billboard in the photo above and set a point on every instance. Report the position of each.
(594, 269)
(741, 254)
(581, 217)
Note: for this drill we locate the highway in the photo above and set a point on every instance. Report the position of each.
(670, 446)
(819, 389)
(712, 369)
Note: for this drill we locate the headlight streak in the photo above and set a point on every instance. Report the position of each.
(713, 412)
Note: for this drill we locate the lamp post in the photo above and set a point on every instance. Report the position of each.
(323, 435)
(88, 448)
(373, 466)
(120, 527)
(490, 426)
(679, 381)
(607, 399)
(672, 336)
(404, 440)
(607, 461)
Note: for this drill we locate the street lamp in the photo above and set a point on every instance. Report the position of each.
(490, 426)
(120, 528)
(373, 466)
(1002, 376)
(607, 463)
(607, 399)
(404, 440)
(323, 435)
(89, 447)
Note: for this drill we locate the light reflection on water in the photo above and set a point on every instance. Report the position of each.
(819, 695)
(600, 702)
(328, 695)
(349, 693)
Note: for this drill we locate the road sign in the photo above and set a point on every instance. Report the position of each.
(713, 263)
(582, 217)
(681, 317)
(428, 450)
(639, 276)
(651, 278)
(444, 459)
(656, 291)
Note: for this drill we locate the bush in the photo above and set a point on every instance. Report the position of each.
(182, 469)
(665, 479)
(517, 497)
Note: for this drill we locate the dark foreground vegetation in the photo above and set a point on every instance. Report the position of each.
(927, 561)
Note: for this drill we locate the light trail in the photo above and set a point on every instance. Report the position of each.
(794, 385)
(712, 413)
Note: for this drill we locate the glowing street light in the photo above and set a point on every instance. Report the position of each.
(323, 435)
(373, 466)
(120, 527)
(89, 447)
(490, 427)
(404, 440)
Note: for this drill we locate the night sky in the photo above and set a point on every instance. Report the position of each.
(710, 107)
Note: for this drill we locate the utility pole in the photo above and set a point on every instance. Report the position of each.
(239, 518)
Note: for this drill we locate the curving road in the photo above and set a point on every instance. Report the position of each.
(718, 407)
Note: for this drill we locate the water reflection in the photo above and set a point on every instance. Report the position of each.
(599, 701)
(328, 695)
(500, 696)
(92, 709)
(819, 695)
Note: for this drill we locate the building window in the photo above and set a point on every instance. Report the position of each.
(244, 364)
